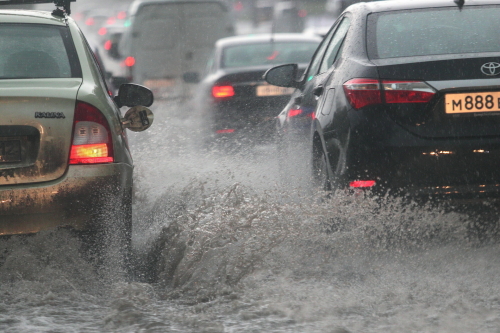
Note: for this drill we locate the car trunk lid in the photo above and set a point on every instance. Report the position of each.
(36, 128)
(447, 114)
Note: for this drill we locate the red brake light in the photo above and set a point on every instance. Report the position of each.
(90, 21)
(122, 15)
(102, 31)
(129, 61)
(222, 91)
(92, 141)
(362, 183)
(107, 45)
(363, 92)
(407, 91)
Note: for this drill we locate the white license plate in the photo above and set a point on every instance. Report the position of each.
(159, 83)
(472, 102)
(269, 90)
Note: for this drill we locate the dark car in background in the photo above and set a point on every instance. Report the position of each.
(233, 97)
(405, 96)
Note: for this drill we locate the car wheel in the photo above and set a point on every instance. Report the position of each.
(321, 177)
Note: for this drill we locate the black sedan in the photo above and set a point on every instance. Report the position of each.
(233, 97)
(402, 95)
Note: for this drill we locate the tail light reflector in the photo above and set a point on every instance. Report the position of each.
(225, 131)
(363, 92)
(362, 183)
(222, 91)
(294, 112)
(92, 142)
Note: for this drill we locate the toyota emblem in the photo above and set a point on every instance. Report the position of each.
(491, 68)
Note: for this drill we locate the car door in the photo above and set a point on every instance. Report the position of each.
(321, 70)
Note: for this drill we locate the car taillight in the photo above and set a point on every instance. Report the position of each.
(407, 91)
(102, 31)
(222, 91)
(129, 61)
(92, 142)
(363, 92)
(107, 45)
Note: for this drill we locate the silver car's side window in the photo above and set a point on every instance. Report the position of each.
(334, 47)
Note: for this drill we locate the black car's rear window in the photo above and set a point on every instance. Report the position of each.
(37, 51)
(248, 55)
(434, 31)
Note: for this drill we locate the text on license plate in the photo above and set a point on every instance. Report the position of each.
(472, 102)
(269, 90)
(10, 151)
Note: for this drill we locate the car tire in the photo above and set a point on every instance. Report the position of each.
(321, 174)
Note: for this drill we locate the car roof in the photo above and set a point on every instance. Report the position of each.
(391, 5)
(263, 38)
(30, 16)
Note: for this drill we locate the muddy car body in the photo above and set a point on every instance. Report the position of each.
(64, 158)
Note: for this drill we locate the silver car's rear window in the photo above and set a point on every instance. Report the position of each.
(248, 55)
(435, 31)
(37, 51)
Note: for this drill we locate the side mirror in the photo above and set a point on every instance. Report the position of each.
(138, 119)
(191, 77)
(131, 94)
(283, 76)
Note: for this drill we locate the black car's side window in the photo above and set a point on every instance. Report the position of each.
(335, 45)
(316, 61)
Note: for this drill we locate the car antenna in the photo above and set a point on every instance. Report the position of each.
(460, 3)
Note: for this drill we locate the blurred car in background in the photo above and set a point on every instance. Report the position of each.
(168, 38)
(232, 97)
(288, 16)
(402, 96)
(64, 156)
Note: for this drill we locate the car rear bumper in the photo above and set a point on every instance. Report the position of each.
(247, 113)
(71, 201)
(457, 168)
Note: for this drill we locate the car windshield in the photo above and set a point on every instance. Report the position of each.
(268, 53)
(434, 31)
(33, 51)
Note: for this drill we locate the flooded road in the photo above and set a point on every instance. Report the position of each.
(224, 244)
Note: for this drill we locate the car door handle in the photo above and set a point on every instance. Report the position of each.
(318, 91)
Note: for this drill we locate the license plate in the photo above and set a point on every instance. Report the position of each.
(159, 83)
(269, 90)
(472, 102)
(10, 151)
